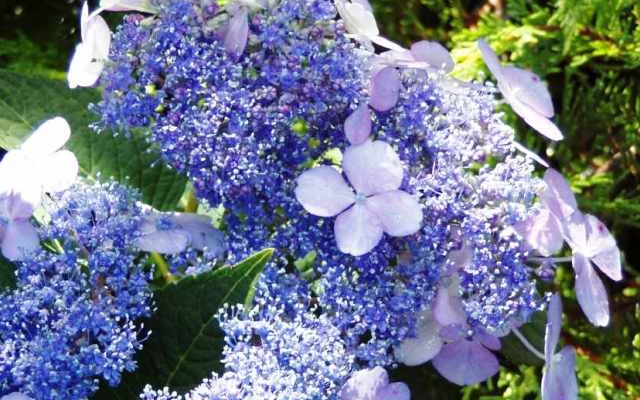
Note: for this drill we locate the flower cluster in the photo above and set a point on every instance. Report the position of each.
(402, 188)
(72, 318)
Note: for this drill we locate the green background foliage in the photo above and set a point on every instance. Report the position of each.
(588, 51)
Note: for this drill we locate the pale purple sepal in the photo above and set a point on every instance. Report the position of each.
(357, 230)
(385, 89)
(553, 327)
(357, 126)
(322, 191)
(434, 54)
(424, 346)
(591, 293)
(559, 380)
(373, 384)
(558, 196)
(237, 33)
(373, 167)
(466, 362)
(542, 232)
(399, 213)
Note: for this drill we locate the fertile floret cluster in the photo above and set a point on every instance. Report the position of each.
(73, 317)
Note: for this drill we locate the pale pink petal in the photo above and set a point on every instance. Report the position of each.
(558, 196)
(385, 89)
(372, 167)
(559, 380)
(591, 294)
(357, 126)
(20, 238)
(59, 171)
(364, 384)
(394, 391)
(532, 117)
(422, 348)
(50, 136)
(434, 54)
(542, 232)
(490, 59)
(447, 307)
(398, 211)
(357, 230)
(323, 192)
(603, 249)
(466, 362)
(237, 33)
(529, 89)
(553, 327)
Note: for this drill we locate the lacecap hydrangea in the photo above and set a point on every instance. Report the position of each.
(403, 185)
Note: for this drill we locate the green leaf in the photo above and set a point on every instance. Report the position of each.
(25, 102)
(514, 350)
(186, 342)
(7, 274)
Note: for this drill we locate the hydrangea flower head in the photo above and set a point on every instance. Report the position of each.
(377, 206)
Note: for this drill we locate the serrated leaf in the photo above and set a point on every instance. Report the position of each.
(186, 341)
(25, 102)
(7, 274)
(516, 352)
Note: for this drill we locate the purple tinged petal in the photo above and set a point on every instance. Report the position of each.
(16, 396)
(559, 380)
(394, 391)
(466, 362)
(322, 191)
(447, 308)
(453, 332)
(528, 88)
(357, 230)
(434, 54)
(20, 238)
(357, 126)
(170, 241)
(532, 117)
(489, 341)
(542, 232)
(385, 89)
(602, 248)
(553, 327)
(490, 59)
(386, 43)
(424, 346)
(590, 291)
(237, 33)
(364, 384)
(575, 231)
(372, 167)
(398, 211)
(558, 196)
(202, 234)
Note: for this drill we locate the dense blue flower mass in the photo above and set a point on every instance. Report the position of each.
(243, 128)
(72, 318)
